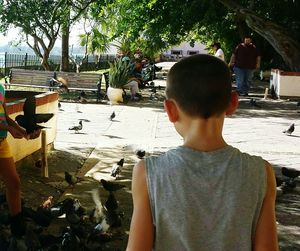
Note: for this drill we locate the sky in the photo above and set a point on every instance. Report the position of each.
(13, 35)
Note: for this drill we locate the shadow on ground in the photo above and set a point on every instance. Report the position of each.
(35, 189)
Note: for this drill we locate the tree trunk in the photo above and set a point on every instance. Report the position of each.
(45, 62)
(287, 47)
(65, 49)
(65, 46)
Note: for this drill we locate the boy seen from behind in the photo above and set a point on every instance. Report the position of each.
(204, 195)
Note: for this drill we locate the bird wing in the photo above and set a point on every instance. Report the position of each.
(29, 108)
(43, 117)
(21, 120)
(98, 214)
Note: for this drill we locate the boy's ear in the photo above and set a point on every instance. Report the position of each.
(233, 105)
(171, 109)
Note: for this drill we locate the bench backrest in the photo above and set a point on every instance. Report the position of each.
(30, 77)
(42, 78)
(79, 80)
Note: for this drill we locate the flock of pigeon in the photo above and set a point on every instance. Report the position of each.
(82, 228)
(288, 183)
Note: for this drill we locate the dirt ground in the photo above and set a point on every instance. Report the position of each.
(36, 189)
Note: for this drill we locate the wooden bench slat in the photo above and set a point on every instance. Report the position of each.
(41, 79)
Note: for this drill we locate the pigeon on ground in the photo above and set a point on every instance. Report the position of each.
(70, 241)
(49, 241)
(290, 130)
(71, 179)
(82, 100)
(288, 185)
(254, 103)
(279, 181)
(41, 216)
(117, 168)
(31, 119)
(290, 172)
(77, 128)
(112, 116)
(111, 186)
(32, 238)
(140, 153)
(83, 94)
(153, 90)
(97, 237)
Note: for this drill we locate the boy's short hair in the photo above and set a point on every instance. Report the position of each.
(201, 85)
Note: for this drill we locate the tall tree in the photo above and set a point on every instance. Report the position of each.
(40, 21)
(167, 22)
(74, 11)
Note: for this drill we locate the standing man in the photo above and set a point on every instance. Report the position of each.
(244, 60)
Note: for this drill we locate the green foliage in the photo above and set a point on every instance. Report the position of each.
(156, 25)
(118, 73)
(95, 41)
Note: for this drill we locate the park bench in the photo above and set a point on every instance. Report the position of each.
(44, 79)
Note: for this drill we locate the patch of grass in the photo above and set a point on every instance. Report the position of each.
(98, 71)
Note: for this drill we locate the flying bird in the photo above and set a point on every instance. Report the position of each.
(117, 168)
(111, 186)
(290, 172)
(112, 116)
(290, 130)
(58, 82)
(31, 119)
(76, 128)
(111, 203)
(98, 213)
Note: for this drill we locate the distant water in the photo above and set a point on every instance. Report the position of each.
(18, 59)
(2, 57)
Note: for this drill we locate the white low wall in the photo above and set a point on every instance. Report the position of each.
(285, 83)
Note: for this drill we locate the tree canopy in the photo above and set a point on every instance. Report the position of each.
(275, 25)
(40, 22)
(155, 25)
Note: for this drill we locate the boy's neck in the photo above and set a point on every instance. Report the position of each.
(204, 135)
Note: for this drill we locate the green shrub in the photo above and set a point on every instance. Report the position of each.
(118, 73)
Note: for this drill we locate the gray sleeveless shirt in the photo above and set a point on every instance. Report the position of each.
(205, 201)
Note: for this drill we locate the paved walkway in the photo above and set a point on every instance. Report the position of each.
(254, 130)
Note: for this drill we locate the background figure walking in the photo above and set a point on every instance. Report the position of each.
(218, 51)
(244, 60)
